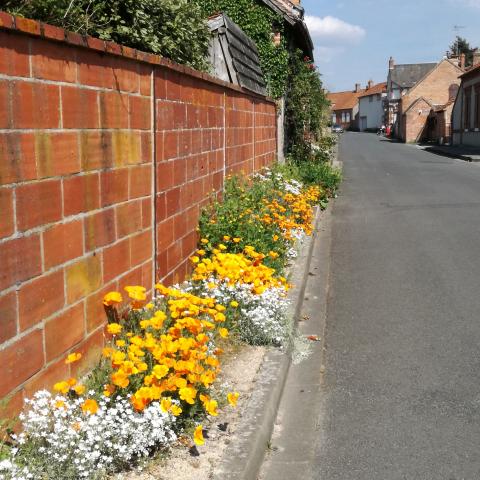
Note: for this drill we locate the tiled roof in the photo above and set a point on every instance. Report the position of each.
(344, 100)
(474, 68)
(378, 88)
(407, 75)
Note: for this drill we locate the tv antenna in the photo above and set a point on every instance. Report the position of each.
(456, 29)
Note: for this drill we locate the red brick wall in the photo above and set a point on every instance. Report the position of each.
(106, 157)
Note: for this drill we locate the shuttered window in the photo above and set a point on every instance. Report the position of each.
(467, 108)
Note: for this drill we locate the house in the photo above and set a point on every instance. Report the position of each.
(466, 110)
(400, 80)
(371, 106)
(344, 107)
(424, 111)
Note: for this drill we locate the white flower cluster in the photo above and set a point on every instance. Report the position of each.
(262, 317)
(292, 186)
(60, 441)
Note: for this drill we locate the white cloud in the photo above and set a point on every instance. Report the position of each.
(332, 30)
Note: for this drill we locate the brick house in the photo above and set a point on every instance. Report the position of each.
(427, 105)
(466, 110)
(344, 107)
(371, 106)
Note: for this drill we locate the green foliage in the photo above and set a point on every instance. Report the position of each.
(258, 22)
(306, 107)
(236, 217)
(461, 45)
(175, 29)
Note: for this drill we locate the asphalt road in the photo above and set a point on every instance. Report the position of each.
(400, 397)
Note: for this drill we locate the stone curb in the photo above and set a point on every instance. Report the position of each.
(452, 154)
(258, 415)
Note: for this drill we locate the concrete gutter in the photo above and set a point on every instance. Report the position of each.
(246, 454)
(452, 152)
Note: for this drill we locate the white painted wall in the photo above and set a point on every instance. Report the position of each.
(373, 110)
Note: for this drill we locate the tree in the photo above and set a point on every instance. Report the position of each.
(461, 45)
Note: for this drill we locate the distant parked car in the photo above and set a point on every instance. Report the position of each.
(337, 128)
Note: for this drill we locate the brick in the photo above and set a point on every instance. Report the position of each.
(185, 143)
(47, 378)
(80, 108)
(113, 47)
(125, 73)
(36, 105)
(13, 147)
(165, 234)
(38, 204)
(127, 148)
(64, 331)
(173, 86)
(5, 105)
(160, 207)
(28, 26)
(14, 56)
(129, 218)
(53, 61)
(174, 255)
(62, 242)
(165, 115)
(100, 229)
(116, 260)
(170, 145)
(91, 350)
(83, 277)
(94, 69)
(113, 110)
(145, 79)
(56, 154)
(7, 225)
(20, 361)
(141, 248)
(52, 32)
(140, 113)
(96, 150)
(20, 259)
(173, 201)
(40, 298)
(179, 226)
(114, 186)
(95, 310)
(161, 268)
(140, 181)
(179, 116)
(95, 43)
(10, 408)
(147, 274)
(160, 83)
(8, 316)
(81, 194)
(75, 38)
(6, 20)
(165, 179)
(133, 277)
(147, 212)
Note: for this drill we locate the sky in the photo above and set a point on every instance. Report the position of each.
(355, 38)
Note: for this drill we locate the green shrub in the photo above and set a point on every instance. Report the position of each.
(175, 29)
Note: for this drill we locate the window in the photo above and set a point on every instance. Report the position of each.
(370, 98)
(467, 108)
(477, 106)
(343, 117)
(348, 117)
(379, 97)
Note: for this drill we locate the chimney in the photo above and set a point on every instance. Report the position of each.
(391, 63)
(476, 57)
(461, 62)
(357, 87)
(369, 84)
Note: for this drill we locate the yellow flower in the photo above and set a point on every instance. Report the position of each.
(79, 389)
(159, 371)
(72, 381)
(176, 410)
(188, 394)
(226, 238)
(198, 436)
(59, 404)
(233, 398)
(166, 404)
(114, 328)
(120, 379)
(194, 259)
(275, 238)
(273, 254)
(222, 247)
(73, 357)
(223, 332)
(201, 252)
(90, 406)
(204, 241)
(120, 343)
(112, 298)
(149, 306)
(62, 387)
(109, 390)
(136, 293)
(234, 304)
(237, 240)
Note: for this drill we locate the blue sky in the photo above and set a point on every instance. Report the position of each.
(355, 38)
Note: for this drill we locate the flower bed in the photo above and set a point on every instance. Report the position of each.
(154, 383)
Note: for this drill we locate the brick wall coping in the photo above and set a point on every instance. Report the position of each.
(50, 32)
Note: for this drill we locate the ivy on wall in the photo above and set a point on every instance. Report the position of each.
(259, 23)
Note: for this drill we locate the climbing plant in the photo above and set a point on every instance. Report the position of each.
(259, 22)
(306, 107)
(175, 29)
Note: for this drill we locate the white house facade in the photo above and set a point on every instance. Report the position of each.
(371, 107)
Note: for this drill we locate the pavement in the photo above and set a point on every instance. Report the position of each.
(392, 389)
(468, 154)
